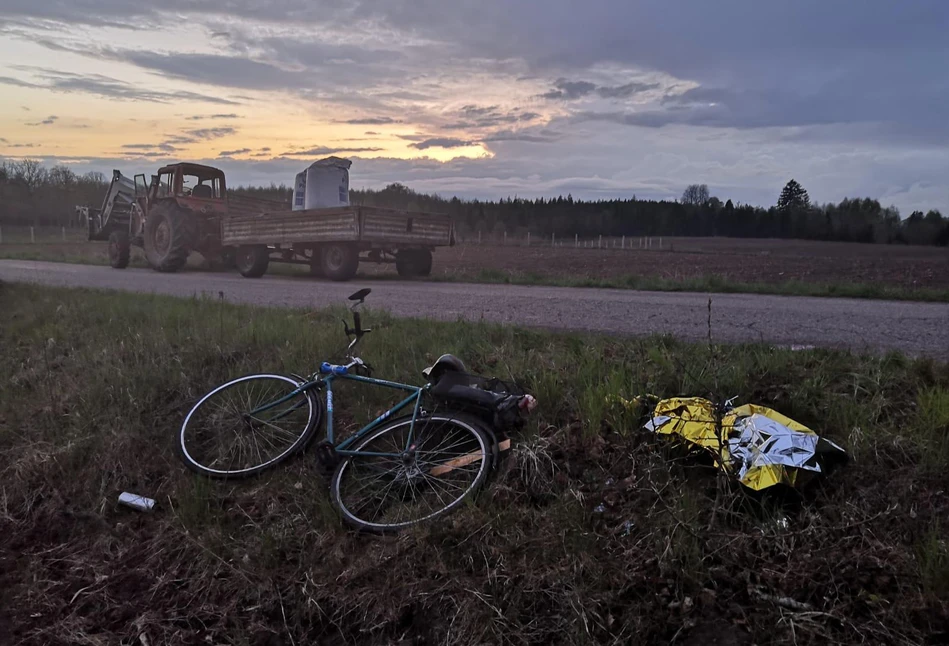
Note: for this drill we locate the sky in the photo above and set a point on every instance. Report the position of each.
(494, 98)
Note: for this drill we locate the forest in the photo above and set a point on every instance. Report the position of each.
(33, 195)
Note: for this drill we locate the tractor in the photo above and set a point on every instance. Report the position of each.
(177, 213)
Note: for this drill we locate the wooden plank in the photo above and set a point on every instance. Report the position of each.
(373, 225)
(465, 460)
(391, 226)
(315, 225)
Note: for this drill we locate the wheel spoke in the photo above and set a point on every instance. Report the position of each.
(221, 436)
(410, 493)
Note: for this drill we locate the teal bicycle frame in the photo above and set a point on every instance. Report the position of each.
(327, 382)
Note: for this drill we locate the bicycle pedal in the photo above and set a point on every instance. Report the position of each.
(326, 456)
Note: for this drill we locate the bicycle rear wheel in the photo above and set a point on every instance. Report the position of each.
(447, 461)
(224, 437)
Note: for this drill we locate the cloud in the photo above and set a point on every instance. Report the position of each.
(163, 147)
(475, 116)
(371, 121)
(441, 142)
(199, 117)
(104, 86)
(230, 153)
(625, 91)
(48, 121)
(325, 150)
(372, 132)
(3, 140)
(540, 137)
(569, 90)
(206, 134)
(479, 111)
(738, 94)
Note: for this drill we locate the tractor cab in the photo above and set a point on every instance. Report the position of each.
(192, 186)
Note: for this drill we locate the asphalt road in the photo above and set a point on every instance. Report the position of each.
(915, 328)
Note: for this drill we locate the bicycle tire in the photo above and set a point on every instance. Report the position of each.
(295, 441)
(474, 447)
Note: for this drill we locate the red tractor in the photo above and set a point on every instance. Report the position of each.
(179, 212)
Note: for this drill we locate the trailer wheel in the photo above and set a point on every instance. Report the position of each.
(339, 261)
(169, 234)
(252, 260)
(413, 262)
(119, 249)
(316, 264)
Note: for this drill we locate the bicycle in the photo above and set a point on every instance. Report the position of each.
(393, 472)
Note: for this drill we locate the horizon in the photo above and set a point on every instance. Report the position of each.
(491, 99)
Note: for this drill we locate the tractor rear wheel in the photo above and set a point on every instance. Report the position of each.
(119, 249)
(169, 234)
(252, 260)
(339, 261)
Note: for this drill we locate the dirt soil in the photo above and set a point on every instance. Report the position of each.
(767, 261)
(734, 259)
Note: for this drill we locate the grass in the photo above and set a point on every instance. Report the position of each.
(95, 254)
(590, 532)
(718, 284)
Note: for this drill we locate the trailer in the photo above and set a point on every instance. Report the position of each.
(333, 241)
(186, 208)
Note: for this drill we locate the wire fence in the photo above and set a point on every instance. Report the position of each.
(37, 235)
(652, 243)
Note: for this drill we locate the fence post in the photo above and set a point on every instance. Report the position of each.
(622, 244)
(32, 236)
(660, 242)
(64, 234)
(552, 240)
(1, 235)
(479, 236)
(505, 237)
(599, 244)
(528, 238)
(576, 239)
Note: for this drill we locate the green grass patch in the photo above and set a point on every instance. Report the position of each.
(590, 532)
(717, 284)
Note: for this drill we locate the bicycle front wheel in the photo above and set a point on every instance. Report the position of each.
(232, 432)
(402, 476)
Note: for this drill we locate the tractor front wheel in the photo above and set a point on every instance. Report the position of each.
(119, 249)
(169, 234)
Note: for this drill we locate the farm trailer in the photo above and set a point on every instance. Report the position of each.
(333, 241)
(186, 208)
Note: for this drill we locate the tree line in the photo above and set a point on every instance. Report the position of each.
(31, 194)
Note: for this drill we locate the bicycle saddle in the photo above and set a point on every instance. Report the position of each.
(445, 363)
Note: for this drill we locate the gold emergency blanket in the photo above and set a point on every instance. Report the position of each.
(757, 445)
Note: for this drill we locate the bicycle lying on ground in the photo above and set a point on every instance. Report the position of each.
(392, 473)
